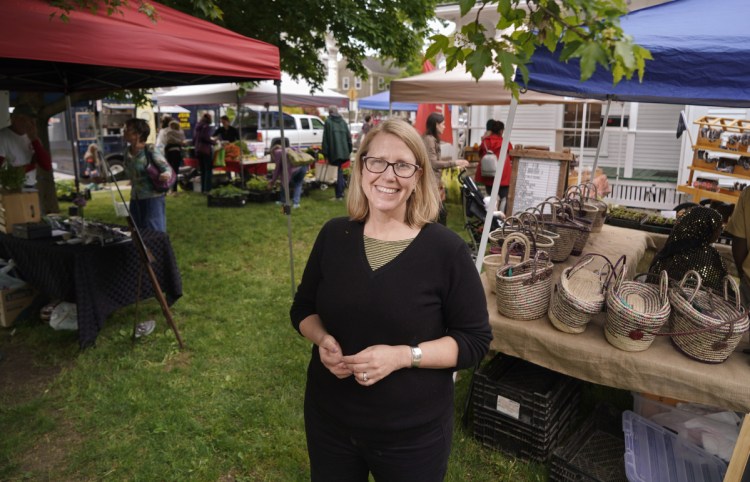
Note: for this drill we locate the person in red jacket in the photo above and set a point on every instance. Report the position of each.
(493, 142)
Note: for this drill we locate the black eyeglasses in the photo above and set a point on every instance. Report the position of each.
(403, 169)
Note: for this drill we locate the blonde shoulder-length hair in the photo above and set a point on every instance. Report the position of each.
(423, 206)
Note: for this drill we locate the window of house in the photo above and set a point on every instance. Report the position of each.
(357, 83)
(381, 83)
(572, 123)
(345, 83)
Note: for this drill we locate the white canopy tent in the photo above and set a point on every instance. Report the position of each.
(457, 86)
(295, 93)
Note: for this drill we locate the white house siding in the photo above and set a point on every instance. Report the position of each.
(656, 143)
(534, 124)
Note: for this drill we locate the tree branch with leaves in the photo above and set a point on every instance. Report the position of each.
(585, 30)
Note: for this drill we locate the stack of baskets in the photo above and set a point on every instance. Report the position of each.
(580, 294)
(523, 290)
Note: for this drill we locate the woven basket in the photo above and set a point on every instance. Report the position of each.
(560, 250)
(591, 195)
(584, 229)
(523, 291)
(510, 225)
(579, 294)
(582, 208)
(635, 312)
(567, 231)
(706, 327)
(494, 262)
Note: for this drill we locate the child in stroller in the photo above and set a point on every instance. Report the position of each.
(474, 211)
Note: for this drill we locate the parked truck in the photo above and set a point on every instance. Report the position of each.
(301, 130)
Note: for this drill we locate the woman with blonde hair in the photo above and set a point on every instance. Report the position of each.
(379, 395)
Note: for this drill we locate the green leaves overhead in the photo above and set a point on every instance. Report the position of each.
(588, 30)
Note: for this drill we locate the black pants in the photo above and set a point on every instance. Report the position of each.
(205, 161)
(336, 455)
(173, 154)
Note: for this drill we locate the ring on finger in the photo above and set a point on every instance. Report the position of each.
(365, 377)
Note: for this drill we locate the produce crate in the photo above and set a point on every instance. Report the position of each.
(260, 196)
(522, 409)
(226, 202)
(594, 453)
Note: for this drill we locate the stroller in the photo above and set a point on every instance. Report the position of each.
(474, 211)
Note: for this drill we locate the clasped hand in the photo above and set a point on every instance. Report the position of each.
(369, 366)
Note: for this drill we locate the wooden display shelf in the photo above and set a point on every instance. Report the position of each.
(745, 175)
(719, 149)
(700, 194)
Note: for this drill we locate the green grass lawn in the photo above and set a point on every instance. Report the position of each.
(229, 406)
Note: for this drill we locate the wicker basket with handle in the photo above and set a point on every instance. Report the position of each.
(556, 222)
(523, 290)
(706, 327)
(636, 312)
(494, 262)
(580, 292)
(591, 195)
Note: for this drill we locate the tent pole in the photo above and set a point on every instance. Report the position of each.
(73, 142)
(239, 134)
(583, 140)
(601, 139)
(496, 182)
(285, 180)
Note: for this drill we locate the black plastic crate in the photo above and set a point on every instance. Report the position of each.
(537, 390)
(594, 453)
(521, 408)
(494, 432)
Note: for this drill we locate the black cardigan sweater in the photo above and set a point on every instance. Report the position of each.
(429, 290)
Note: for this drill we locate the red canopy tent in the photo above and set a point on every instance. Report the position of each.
(96, 51)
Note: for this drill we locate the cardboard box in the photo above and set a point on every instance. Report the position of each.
(13, 302)
(18, 207)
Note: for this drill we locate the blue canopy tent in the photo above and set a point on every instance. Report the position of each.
(701, 56)
(382, 100)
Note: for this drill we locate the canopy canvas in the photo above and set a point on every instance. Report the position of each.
(296, 93)
(382, 101)
(701, 56)
(96, 51)
(457, 86)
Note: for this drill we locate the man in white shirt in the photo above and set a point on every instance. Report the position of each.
(20, 145)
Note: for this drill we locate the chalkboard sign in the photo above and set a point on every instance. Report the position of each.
(535, 176)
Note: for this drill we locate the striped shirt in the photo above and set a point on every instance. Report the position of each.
(379, 253)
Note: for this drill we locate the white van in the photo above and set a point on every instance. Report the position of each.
(301, 130)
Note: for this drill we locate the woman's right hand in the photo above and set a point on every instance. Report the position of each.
(461, 163)
(332, 358)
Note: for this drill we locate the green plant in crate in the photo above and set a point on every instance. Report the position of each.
(227, 192)
(65, 190)
(12, 177)
(624, 213)
(659, 220)
(255, 183)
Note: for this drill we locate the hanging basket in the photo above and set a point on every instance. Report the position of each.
(523, 291)
(706, 327)
(636, 312)
(580, 294)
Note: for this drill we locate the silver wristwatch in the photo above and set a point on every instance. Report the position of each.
(416, 356)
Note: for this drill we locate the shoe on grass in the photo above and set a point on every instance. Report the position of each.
(296, 206)
(144, 328)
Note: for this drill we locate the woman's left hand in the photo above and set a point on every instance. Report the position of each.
(377, 362)
(164, 176)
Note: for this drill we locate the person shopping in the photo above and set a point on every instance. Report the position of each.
(493, 142)
(296, 175)
(435, 127)
(147, 207)
(203, 143)
(337, 146)
(379, 394)
(174, 140)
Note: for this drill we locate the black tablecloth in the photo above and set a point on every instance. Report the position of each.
(99, 279)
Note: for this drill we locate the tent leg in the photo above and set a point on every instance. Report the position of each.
(601, 139)
(496, 183)
(73, 142)
(285, 180)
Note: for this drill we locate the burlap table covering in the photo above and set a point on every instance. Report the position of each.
(588, 356)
